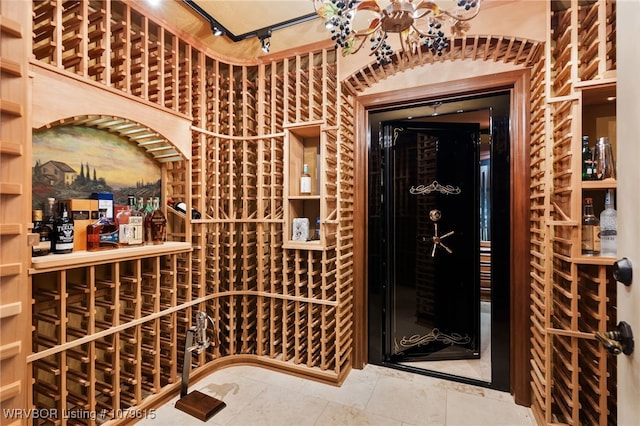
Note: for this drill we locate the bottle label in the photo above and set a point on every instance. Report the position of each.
(123, 233)
(136, 230)
(110, 238)
(590, 239)
(64, 237)
(305, 185)
(42, 247)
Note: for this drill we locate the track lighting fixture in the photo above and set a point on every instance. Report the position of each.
(265, 39)
(216, 29)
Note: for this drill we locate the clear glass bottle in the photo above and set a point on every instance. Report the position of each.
(305, 181)
(590, 230)
(604, 166)
(122, 220)
(157, 223)
(43, 247)
(136, 223)
(102, 234)
(63, 232)
(608, 227)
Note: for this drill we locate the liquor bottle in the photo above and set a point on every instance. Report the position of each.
(51, 215)
(136, 223)
(102, 234)
(182, 208)
(122, 220)
(316, 234)
(63, 232)
(590, 230)
(157, 223)
(603, 167)
(44, 244)
(305, 180)
(148, 209)
(588, 172)
(608, 227)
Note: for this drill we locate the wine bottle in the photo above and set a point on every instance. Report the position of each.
(590, 230)
(305, 180)
(63, 232)
(44, 232)
(182, 208)
(587, 160)
(148, 209)
(50, 218)
(608, 227)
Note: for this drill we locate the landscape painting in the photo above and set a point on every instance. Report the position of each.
(76, 161)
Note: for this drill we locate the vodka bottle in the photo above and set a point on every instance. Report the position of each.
(590, 230)
(608, 227)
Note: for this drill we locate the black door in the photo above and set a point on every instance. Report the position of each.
(431, 205)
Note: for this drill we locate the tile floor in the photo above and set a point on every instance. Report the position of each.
(372, 396)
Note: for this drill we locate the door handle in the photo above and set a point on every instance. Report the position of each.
(622, 271)
(617, 341)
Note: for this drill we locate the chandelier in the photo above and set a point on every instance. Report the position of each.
(417, 23)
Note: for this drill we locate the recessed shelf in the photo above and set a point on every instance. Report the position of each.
(600, 184)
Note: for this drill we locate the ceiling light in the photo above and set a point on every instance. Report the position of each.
(216, 29)
(265, 39)
(416, 22)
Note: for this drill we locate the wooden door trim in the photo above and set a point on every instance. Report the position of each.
(518, 83)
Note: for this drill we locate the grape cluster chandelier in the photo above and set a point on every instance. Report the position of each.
(416, 22)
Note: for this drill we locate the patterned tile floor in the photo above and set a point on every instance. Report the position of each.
(372, 396)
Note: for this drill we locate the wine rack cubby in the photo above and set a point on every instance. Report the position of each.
(573, 378)
(108, 334)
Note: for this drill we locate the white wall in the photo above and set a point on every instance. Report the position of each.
(628, 122)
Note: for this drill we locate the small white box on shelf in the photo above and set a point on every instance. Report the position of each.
(300, 229)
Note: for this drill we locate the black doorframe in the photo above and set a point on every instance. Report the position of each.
(501, 270)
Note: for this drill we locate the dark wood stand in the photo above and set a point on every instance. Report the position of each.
(200, 405)
(196, 403)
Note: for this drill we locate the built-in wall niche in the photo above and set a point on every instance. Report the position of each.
(74, 161)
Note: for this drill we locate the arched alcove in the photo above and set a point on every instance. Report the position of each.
(488, 55)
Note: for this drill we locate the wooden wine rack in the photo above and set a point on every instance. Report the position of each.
(573, 378)
(15, 211)
(107, 330)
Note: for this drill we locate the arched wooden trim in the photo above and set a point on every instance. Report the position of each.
(156, 146)
(509, 50)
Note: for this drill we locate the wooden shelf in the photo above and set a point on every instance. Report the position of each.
(594, 260)
(600, 184)
(81, 258)
(303, 245)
